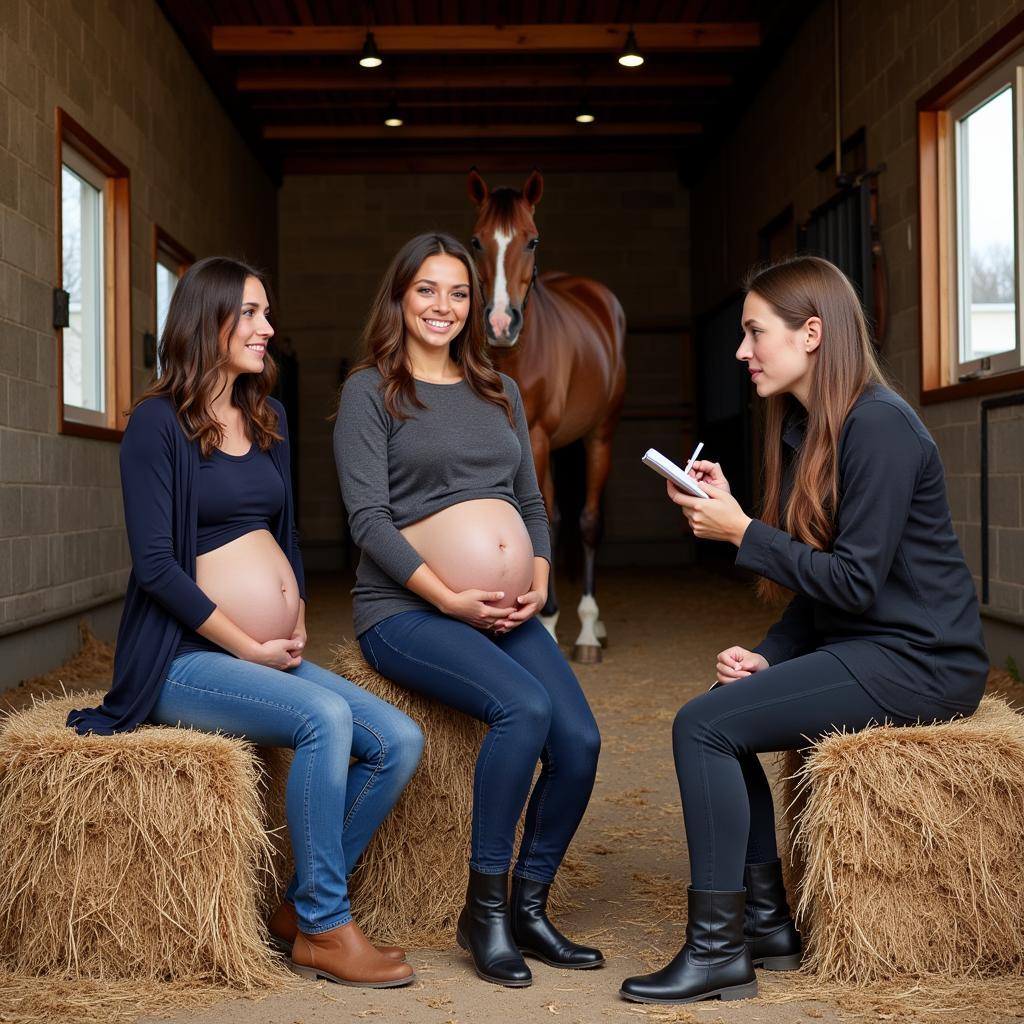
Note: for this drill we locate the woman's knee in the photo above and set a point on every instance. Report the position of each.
(404, 743)
(328, 718)
(528, 711)
(690, 724)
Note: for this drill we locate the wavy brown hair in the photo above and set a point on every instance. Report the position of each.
(798, 289)
(206, 303)
(383, 337)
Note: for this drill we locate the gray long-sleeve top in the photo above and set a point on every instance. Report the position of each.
(395, 472)
(893, 599)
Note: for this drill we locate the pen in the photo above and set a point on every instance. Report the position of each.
(693, 458)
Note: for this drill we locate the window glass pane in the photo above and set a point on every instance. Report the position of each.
(166, 282)
(987, 255)
(82, 258)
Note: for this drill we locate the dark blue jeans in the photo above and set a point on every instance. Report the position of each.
(716, 737)
(523, 688)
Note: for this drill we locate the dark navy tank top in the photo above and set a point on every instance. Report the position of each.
(237, 494)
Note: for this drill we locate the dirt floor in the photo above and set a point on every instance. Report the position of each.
(664, 628)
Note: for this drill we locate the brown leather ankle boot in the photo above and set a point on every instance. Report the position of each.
(344, 955)
(284, 926)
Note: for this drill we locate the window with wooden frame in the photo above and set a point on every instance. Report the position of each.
(971, 171)
(93, 268)
(170, 261)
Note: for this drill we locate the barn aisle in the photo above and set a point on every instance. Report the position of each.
(628, 860)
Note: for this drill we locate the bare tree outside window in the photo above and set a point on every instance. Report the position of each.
(992, 279)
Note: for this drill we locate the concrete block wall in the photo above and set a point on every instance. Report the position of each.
(892, 52)
(339, 232)
(118, 68)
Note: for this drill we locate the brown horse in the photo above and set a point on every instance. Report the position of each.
(561, 338)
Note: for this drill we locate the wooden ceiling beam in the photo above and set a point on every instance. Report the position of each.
(280, 40)
(486, 163)
(281, 132)
(313, 103)
(321, 81)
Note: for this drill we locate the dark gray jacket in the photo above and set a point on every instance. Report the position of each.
(893, 599)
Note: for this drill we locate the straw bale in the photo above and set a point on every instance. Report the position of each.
(907, 849)
(137, 857)
(410, 885)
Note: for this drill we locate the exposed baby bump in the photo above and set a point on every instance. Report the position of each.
(477, 545)
(251, 581)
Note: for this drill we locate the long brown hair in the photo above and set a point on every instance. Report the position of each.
(383, 337)
(207, 302)
(798, 289)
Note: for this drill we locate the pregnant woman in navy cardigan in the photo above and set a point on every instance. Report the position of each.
(884, 625)
(214, 618)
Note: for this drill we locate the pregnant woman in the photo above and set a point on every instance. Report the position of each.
(213, 626)
(437, 474)
(884, 625)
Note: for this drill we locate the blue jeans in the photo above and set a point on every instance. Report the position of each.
(523, 688)
(332, 809)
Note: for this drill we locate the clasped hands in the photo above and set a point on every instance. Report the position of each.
(472, 607)
(716, 517)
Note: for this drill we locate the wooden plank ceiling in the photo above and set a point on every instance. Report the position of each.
(493, 83)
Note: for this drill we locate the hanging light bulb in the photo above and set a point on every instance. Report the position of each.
(584, 115)
(631, 57)
(393, 117)
(370, 57)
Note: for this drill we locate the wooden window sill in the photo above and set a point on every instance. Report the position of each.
(1012, 380)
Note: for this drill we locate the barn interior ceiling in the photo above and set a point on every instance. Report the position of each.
(498, 84)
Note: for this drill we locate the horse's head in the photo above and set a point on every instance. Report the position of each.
(505, 241)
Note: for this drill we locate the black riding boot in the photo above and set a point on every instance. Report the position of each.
(484, 931)
(713, 962)
(536, 936)
(768, 928)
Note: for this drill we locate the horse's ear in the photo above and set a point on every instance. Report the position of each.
(477, 187)
(534, 188)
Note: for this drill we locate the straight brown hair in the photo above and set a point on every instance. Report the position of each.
(383, 337)
(798, 289)
(207, 302)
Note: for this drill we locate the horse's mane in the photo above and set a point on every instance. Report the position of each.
(503, 205)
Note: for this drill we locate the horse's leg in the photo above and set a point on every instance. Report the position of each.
(599, 456)
(541, 444)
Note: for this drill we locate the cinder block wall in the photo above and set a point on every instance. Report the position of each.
(893, 51)
(119, 69)
(628, 230)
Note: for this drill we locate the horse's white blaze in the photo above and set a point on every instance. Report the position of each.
(500, 302)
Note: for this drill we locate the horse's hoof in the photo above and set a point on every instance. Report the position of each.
(586, 654)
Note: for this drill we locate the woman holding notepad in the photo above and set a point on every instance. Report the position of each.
(883, 624)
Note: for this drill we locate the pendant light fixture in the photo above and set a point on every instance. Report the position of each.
(393, 118)
(631, 57)
(370, 57)
(584, 115)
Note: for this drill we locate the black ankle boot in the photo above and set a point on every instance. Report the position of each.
(536, 936)
(713, 962)
(768, 928)
(484, 931)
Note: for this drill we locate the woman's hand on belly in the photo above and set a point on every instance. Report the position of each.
(529, 604)
(469, 606)
(279, 654)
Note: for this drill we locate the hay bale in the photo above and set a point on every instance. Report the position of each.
(133, 857)
(410, 884)
(908, 849)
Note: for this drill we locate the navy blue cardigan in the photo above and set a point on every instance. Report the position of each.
(159, 470)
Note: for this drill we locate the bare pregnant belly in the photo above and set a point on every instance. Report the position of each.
(477, 545)
(252, 583)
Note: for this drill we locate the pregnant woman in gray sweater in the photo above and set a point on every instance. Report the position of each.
(436, 469)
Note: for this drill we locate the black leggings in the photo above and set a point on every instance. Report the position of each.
(716, 737)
